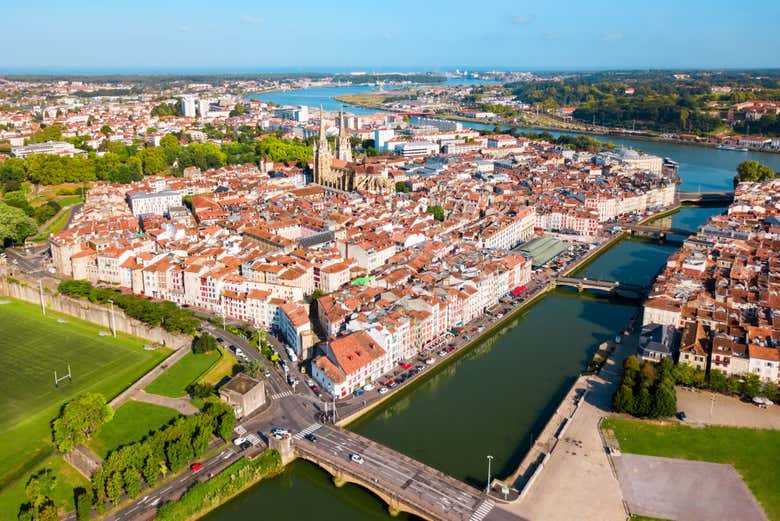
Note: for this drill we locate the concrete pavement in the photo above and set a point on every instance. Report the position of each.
(182, 405)
(706, 408)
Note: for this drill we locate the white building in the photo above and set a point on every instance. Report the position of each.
(157, 203)
(189, 106)
(59, 148)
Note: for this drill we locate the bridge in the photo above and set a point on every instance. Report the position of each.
(406, 485)
(723, 197)
(659, 230)
(612, 286)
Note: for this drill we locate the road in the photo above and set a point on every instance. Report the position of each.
(412, 482)
(146, 506)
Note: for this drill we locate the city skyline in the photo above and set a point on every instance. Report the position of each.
(169, 37)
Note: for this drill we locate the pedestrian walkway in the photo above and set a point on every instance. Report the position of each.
(282, 394)
(482, 511)
(308, 430)
(182, 405)
(149, 377)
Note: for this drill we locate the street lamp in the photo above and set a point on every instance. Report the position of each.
(487, 487)
(113, 319)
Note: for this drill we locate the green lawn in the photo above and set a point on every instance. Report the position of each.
(189, 369)
(132, 421)
(32, 347)
(754, 453)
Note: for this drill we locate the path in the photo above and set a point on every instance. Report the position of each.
(149, 377)
(578, 480)
(182, 405)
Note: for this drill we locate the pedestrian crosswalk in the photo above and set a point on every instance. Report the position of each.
(282, 394)
(308, 430)
(482, 510)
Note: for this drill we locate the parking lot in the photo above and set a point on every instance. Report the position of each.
(684, 490)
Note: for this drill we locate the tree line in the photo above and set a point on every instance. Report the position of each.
(163, 314)
(753, 171)
(121, 163)
(169, 449)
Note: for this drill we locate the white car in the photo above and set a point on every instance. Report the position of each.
(383, 390)
(357, 458)
(239, 441)
(368, 387)
(239, 352)
(278, 431)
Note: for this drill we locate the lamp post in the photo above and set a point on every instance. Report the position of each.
(487, 487)
(113, 319)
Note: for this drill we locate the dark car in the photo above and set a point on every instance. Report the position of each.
(681, 416)
(311, 437)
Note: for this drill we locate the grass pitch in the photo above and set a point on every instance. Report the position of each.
(32, 347)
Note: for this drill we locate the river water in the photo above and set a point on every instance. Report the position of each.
(494, 398)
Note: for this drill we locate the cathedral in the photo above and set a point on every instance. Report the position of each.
(339, 171)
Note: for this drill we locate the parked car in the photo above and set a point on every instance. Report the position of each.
(359, 392)
(406, 365)
(391, 383)
(278, 431)
(357, 458)
(681, 416)
(368, 387)
(383, 390)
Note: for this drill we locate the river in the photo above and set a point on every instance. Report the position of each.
(494, 398)
(701, 168)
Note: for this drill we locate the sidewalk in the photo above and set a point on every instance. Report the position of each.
(182, 405)
(149, 377)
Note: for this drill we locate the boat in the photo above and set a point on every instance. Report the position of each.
(730, 147)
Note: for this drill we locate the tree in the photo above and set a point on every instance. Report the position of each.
(718, 381)
(12, 175)
(751, 386)
(132, 482)
(623, 400)
(200, 442)
(770, 390)
(79, 419)
(200, 390)
(114, 487)
(644, 402)
(151, 470)
(752, 170)
(402, 188)
(106, 130)
(255, 369)
(40, 487)
(15, 225)
(204, 343)
(238, 110)
(317, 293)
(665, 402)
(153, 160)
(178, 453)
(169, 141)
(437, 211)
(83, 504)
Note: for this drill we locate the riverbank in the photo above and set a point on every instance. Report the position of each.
(361, 101)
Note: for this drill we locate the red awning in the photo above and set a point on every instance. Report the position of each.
(518, 290)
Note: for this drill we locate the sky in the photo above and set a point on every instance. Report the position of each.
(371, 35)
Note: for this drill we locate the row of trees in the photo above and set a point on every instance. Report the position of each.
(647, 390)
(579, 142)
(163, 314)
(748, 386)
(15, 225)
(171, 448)
(122, 163)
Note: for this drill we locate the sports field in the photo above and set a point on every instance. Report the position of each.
(32, 347)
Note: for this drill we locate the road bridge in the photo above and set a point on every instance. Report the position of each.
(405, 484)
(722, 197)
(658, 230)
(611, 286)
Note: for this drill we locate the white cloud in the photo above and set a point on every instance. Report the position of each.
(522, 20)
(251, 20)
(184, 28)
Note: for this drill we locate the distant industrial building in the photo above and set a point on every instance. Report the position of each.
(59, 148)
